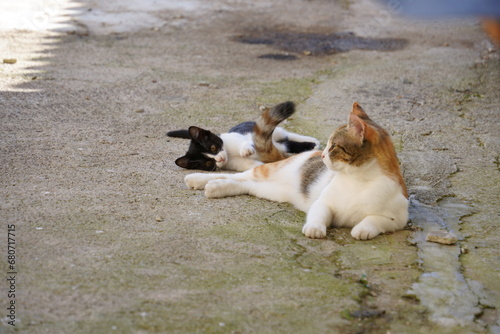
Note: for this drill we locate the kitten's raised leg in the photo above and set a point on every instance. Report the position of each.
(319, 217)
(371, 226)
(281, 134)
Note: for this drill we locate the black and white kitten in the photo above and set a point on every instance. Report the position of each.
(246, 145)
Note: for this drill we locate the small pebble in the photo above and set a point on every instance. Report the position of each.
(140, 110)
(9, 61)
(159, 219)
(442, 237)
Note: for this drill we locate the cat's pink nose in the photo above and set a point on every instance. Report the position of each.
(322, 155)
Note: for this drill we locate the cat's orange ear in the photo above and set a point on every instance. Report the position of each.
(358, 111)
(356, 127)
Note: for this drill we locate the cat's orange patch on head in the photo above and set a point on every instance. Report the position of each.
(382, 146)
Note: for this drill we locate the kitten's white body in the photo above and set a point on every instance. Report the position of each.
(362, 198)
(239, 152)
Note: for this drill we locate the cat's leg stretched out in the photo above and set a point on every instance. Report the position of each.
(221, 185)
(225, 185)
(263, 181)
(198, 181)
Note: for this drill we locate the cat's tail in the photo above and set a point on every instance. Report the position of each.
(179, 134)
(264, 128)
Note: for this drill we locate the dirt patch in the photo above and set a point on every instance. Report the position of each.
(318, 43)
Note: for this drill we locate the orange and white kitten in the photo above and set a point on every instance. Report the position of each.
(355, 182)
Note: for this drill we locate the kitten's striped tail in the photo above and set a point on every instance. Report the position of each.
(264, 128)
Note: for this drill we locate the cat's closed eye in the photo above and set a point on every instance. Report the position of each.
(344, 150)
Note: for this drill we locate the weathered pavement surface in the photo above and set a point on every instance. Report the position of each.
(108, 238)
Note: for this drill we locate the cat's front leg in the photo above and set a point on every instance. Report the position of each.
(373, 225)
(319, 217)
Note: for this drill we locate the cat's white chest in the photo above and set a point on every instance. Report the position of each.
(351, 198)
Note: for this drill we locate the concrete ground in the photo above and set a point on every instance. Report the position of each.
(105, 236)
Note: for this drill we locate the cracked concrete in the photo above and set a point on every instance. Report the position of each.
(110, 240)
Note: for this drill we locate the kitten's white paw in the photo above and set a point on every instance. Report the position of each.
(247, 149)
(217, 188)
(314, 231)
(364, 231)
(221, 159)
(196, 181)
(316, 147)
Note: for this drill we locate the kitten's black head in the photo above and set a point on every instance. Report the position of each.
(209, 141)
(196, 161)
(204, 144)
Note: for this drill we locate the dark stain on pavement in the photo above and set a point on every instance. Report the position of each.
(316, 44)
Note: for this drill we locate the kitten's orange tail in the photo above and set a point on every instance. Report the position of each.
(264, 128)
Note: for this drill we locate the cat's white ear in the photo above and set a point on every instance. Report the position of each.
(357, 127)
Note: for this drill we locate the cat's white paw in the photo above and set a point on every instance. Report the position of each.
(196, 181)
(247, 149)
(364, 231)
(221, 159)
(314, 231)
(217, 188)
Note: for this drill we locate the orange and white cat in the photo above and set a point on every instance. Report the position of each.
(355, 182)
